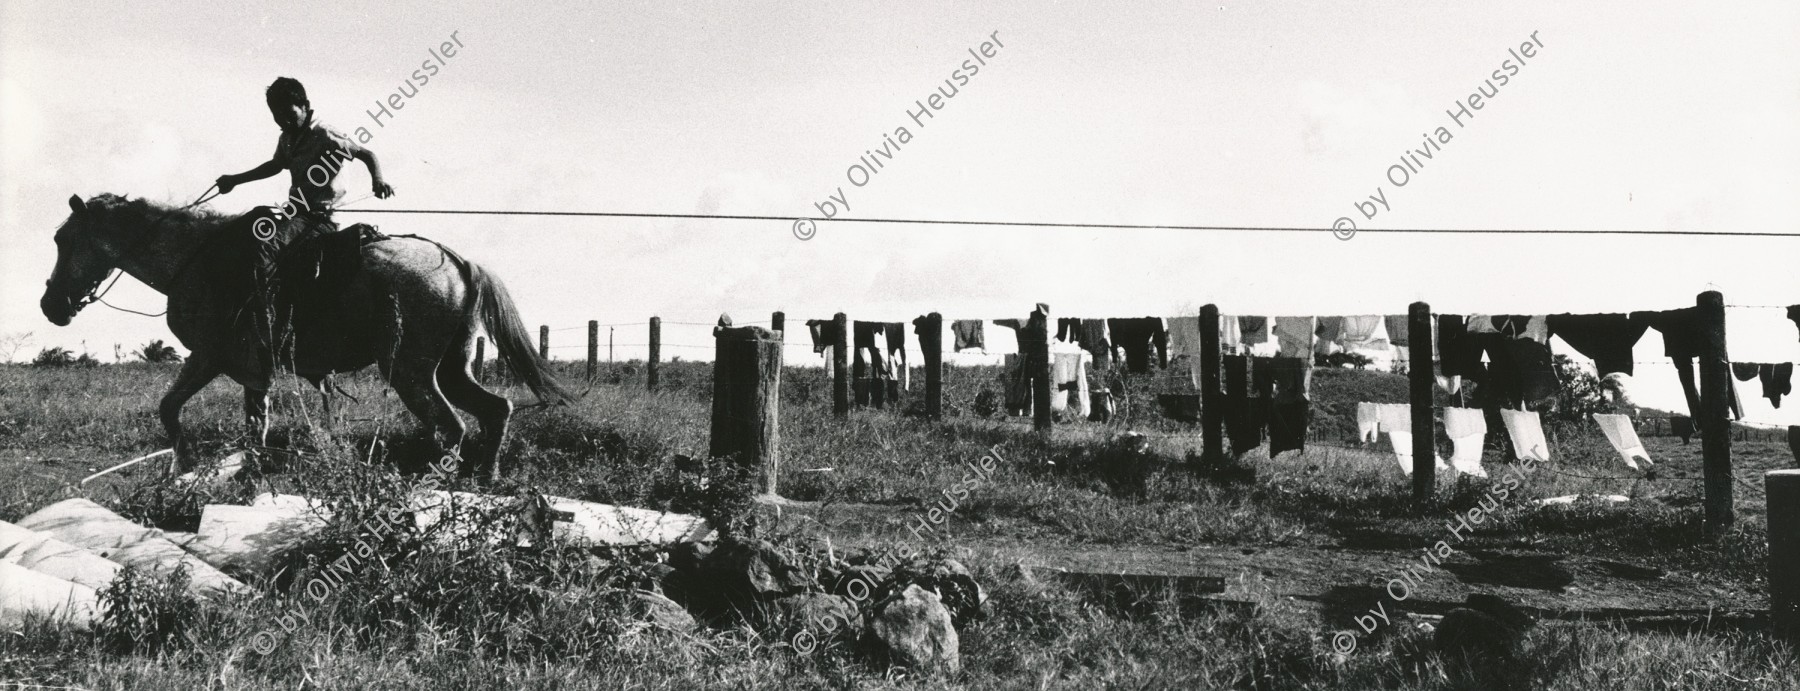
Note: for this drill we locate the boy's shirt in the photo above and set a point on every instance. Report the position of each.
(314, 154)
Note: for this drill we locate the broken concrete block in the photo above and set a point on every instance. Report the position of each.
(605, 524)
(52, 557)
(24, 592)
(251, 537)
(88, 525)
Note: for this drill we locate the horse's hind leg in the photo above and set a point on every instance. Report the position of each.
(414, 378)
(491, 410)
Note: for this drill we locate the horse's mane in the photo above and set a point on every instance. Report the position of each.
(142, 212)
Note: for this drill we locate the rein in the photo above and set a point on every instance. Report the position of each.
(97, 294)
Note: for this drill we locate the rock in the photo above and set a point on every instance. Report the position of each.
(742, 575)
(949, 579)
(823, 615)
(650, 607)
(914, 630)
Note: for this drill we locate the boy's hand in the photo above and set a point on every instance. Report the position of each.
(226, 183)
(383, 190)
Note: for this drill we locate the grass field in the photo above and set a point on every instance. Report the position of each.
(489, 618)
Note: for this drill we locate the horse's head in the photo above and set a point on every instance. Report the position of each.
(85, 256)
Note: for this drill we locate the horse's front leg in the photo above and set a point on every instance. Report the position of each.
(196, 373)
(256, 416)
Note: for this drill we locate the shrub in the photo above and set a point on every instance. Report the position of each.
(61, 357)
(147, 613)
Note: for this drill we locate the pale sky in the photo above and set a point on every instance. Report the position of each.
(1638, 116)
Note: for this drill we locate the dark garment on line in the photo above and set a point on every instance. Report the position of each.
(1288, 375)
(1744, 371)
(968, 334)
(1456, 357)
(1262, 374)
(1682, 427)
(1607, 339)
(1242, 426)
(824, 334)
(896, 341)
(1018, 326)
(1287, 425)
(1794, 443)
(1777, 380)
(1093, 340)
(1137, 336)
(1509, 325)
(1534, 377)
(1329, 329)
(1793, 313)
(1397, 329)
(869, 367)
(1068, 329)
(1252, 330)
(1680, 329)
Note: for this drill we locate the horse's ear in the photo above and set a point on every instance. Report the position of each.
(76, 204)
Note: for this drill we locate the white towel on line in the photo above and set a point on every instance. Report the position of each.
(1527, 434)
(1402, 442)
(1623, 435)
(1467, 428)
(1368, 422)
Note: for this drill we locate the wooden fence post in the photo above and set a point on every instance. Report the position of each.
(593, 348)
(840, 365)
(1781, 490)
(778, 324)
(544, 342)
(931, 343)
(655, 352)
(480, 355)
(1424, 429)
(1039, 365)
(746, 420)
(1212, 413)
(609, 345)
(1715, 406)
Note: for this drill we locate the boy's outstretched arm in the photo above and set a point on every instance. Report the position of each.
(264, 171)
(381, 188)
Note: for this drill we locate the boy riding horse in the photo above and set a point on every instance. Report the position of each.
(313, 155)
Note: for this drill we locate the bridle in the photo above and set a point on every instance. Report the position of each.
(95, 293)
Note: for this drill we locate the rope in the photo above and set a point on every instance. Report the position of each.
(1046, 224)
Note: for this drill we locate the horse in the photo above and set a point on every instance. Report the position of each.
(413, 310)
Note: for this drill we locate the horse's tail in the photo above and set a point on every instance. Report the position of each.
(487, 298)
(500, 319)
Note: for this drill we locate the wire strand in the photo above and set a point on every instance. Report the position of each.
(1049, 224)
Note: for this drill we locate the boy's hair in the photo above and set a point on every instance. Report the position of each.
(286, 91)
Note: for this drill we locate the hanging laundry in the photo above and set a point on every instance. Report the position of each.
(1138, 336)
(1360, 332)
(1396, 329)
(1403, 452)
(1231, 336)
(1368, 422)
(1467, 429)
(1537, 329)
(1682, 427)
(1794, 441)
(1291, 377)
(1068, 378)
(1253, 330)
(1327, 332)
(1607, 339)
(824, 334)
(1018, 327)
(1243, 425)
(1481, 324)
(1457, 356)
(896, 352)
(1534, 375)
(1744, 371)
(1094, 340)
(1777, 380)
(1068, 329)
(1527, 434)
(1394, 417)
(1623, 437)
(1510, 326)
(968, 334)
(1793, 312)
(1184, 336)
(1296, 336)
(1287, 425)
(1015, 385)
